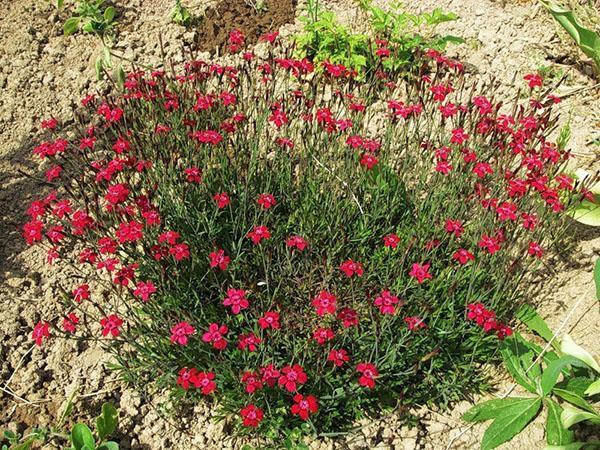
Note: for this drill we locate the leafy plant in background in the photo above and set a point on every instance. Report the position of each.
(587, 40)
(587, 211)
(80, 437)
(90, 16)
(392, 33)
(180, 14)
(565, 380)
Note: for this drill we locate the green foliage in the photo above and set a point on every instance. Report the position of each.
(587, 40)
(541, 375)
(325, 39)
(89, 17)
(180, 14)
(81, 437)
(587, 211)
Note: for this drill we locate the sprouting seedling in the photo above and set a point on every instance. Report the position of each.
(180, 14)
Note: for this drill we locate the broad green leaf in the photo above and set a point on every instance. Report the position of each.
(553, 370)
(81, 436)
(534, 322)
(577, 385)
(570, 416)
(587, 40)
(109, 14)
(517, 359)
(574, 399)
(569, 347)
(556, 433)
(587, 213)
(597, 278)
(494, 408)
(593, 388)
(109, 445)
(507, 426)
(106, 423)
(71, 26)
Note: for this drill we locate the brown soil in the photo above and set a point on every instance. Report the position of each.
(245, 15)
(42, 73)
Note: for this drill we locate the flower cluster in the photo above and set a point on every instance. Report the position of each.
(301, 236)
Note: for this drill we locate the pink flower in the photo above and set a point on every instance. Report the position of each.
(222, 199)
(219, 259)
(351, 268)
(489, 243)
(534, 249)
(70, 322)
(111, 325)
(269, 320)
(81, 293)
(266, 201)
(248, 341)
(322, 335)
(180, 333)
(349, 317)
(236, 300)
(391, 240)
(215, 335)
(251, 415)
(463, 256)
(296, 242)
(533, 80)
(325, 303)
(304, 406)
(41, 330)
(386, 302)
(414, 323)
(144, 289)
(454, 227)
(368, 374)
(420, 272)
(252, 382)
(338, 357)
(291, 377)
(259, 233)
(193, 175)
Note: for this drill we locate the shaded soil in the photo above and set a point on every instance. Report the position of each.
(246, 16)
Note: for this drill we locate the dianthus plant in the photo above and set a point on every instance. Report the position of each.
(300, 245)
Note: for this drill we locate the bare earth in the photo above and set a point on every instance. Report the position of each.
(43, 73)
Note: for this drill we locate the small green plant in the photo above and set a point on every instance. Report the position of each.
(587, 211)
(80, 437)
(587, 40)
(180, 14)
(392, 41)
(568, 401)
(90, 17)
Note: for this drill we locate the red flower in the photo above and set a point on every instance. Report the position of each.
(414, 323)
(236, 300)
(291, 377)
(368, 160)
(507, 211)
(482, 169)
(259, 233)
(251, 415)
(296, 242)
(386, 302)
(266, 201)
(391, 240)
(81, 293)
(219, 259)
(325, 303)
(116, 193)
(535, 250)
(222, 199)
(70, 322)
(503, 331)
(180, 333)
(454, 227)
(200, 380)
(533, 80)
(420, 272)
(248, 341)
(130, 232)
(322, 335)
(215, 335)
(459, 136)
(489, 243)
(180, 251)
(40, 331)
(463, 256)
(252, 382)
(269, 320)
(32, 231)
(193, 175)
(270, 374)
(349, 317)
(338, 357)
(304, 406)
(144, 289)
(111, 325)
(368, 374)
(351, 268)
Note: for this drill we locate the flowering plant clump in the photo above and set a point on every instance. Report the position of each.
(302, 246)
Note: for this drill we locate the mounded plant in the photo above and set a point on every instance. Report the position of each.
(301, 246)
